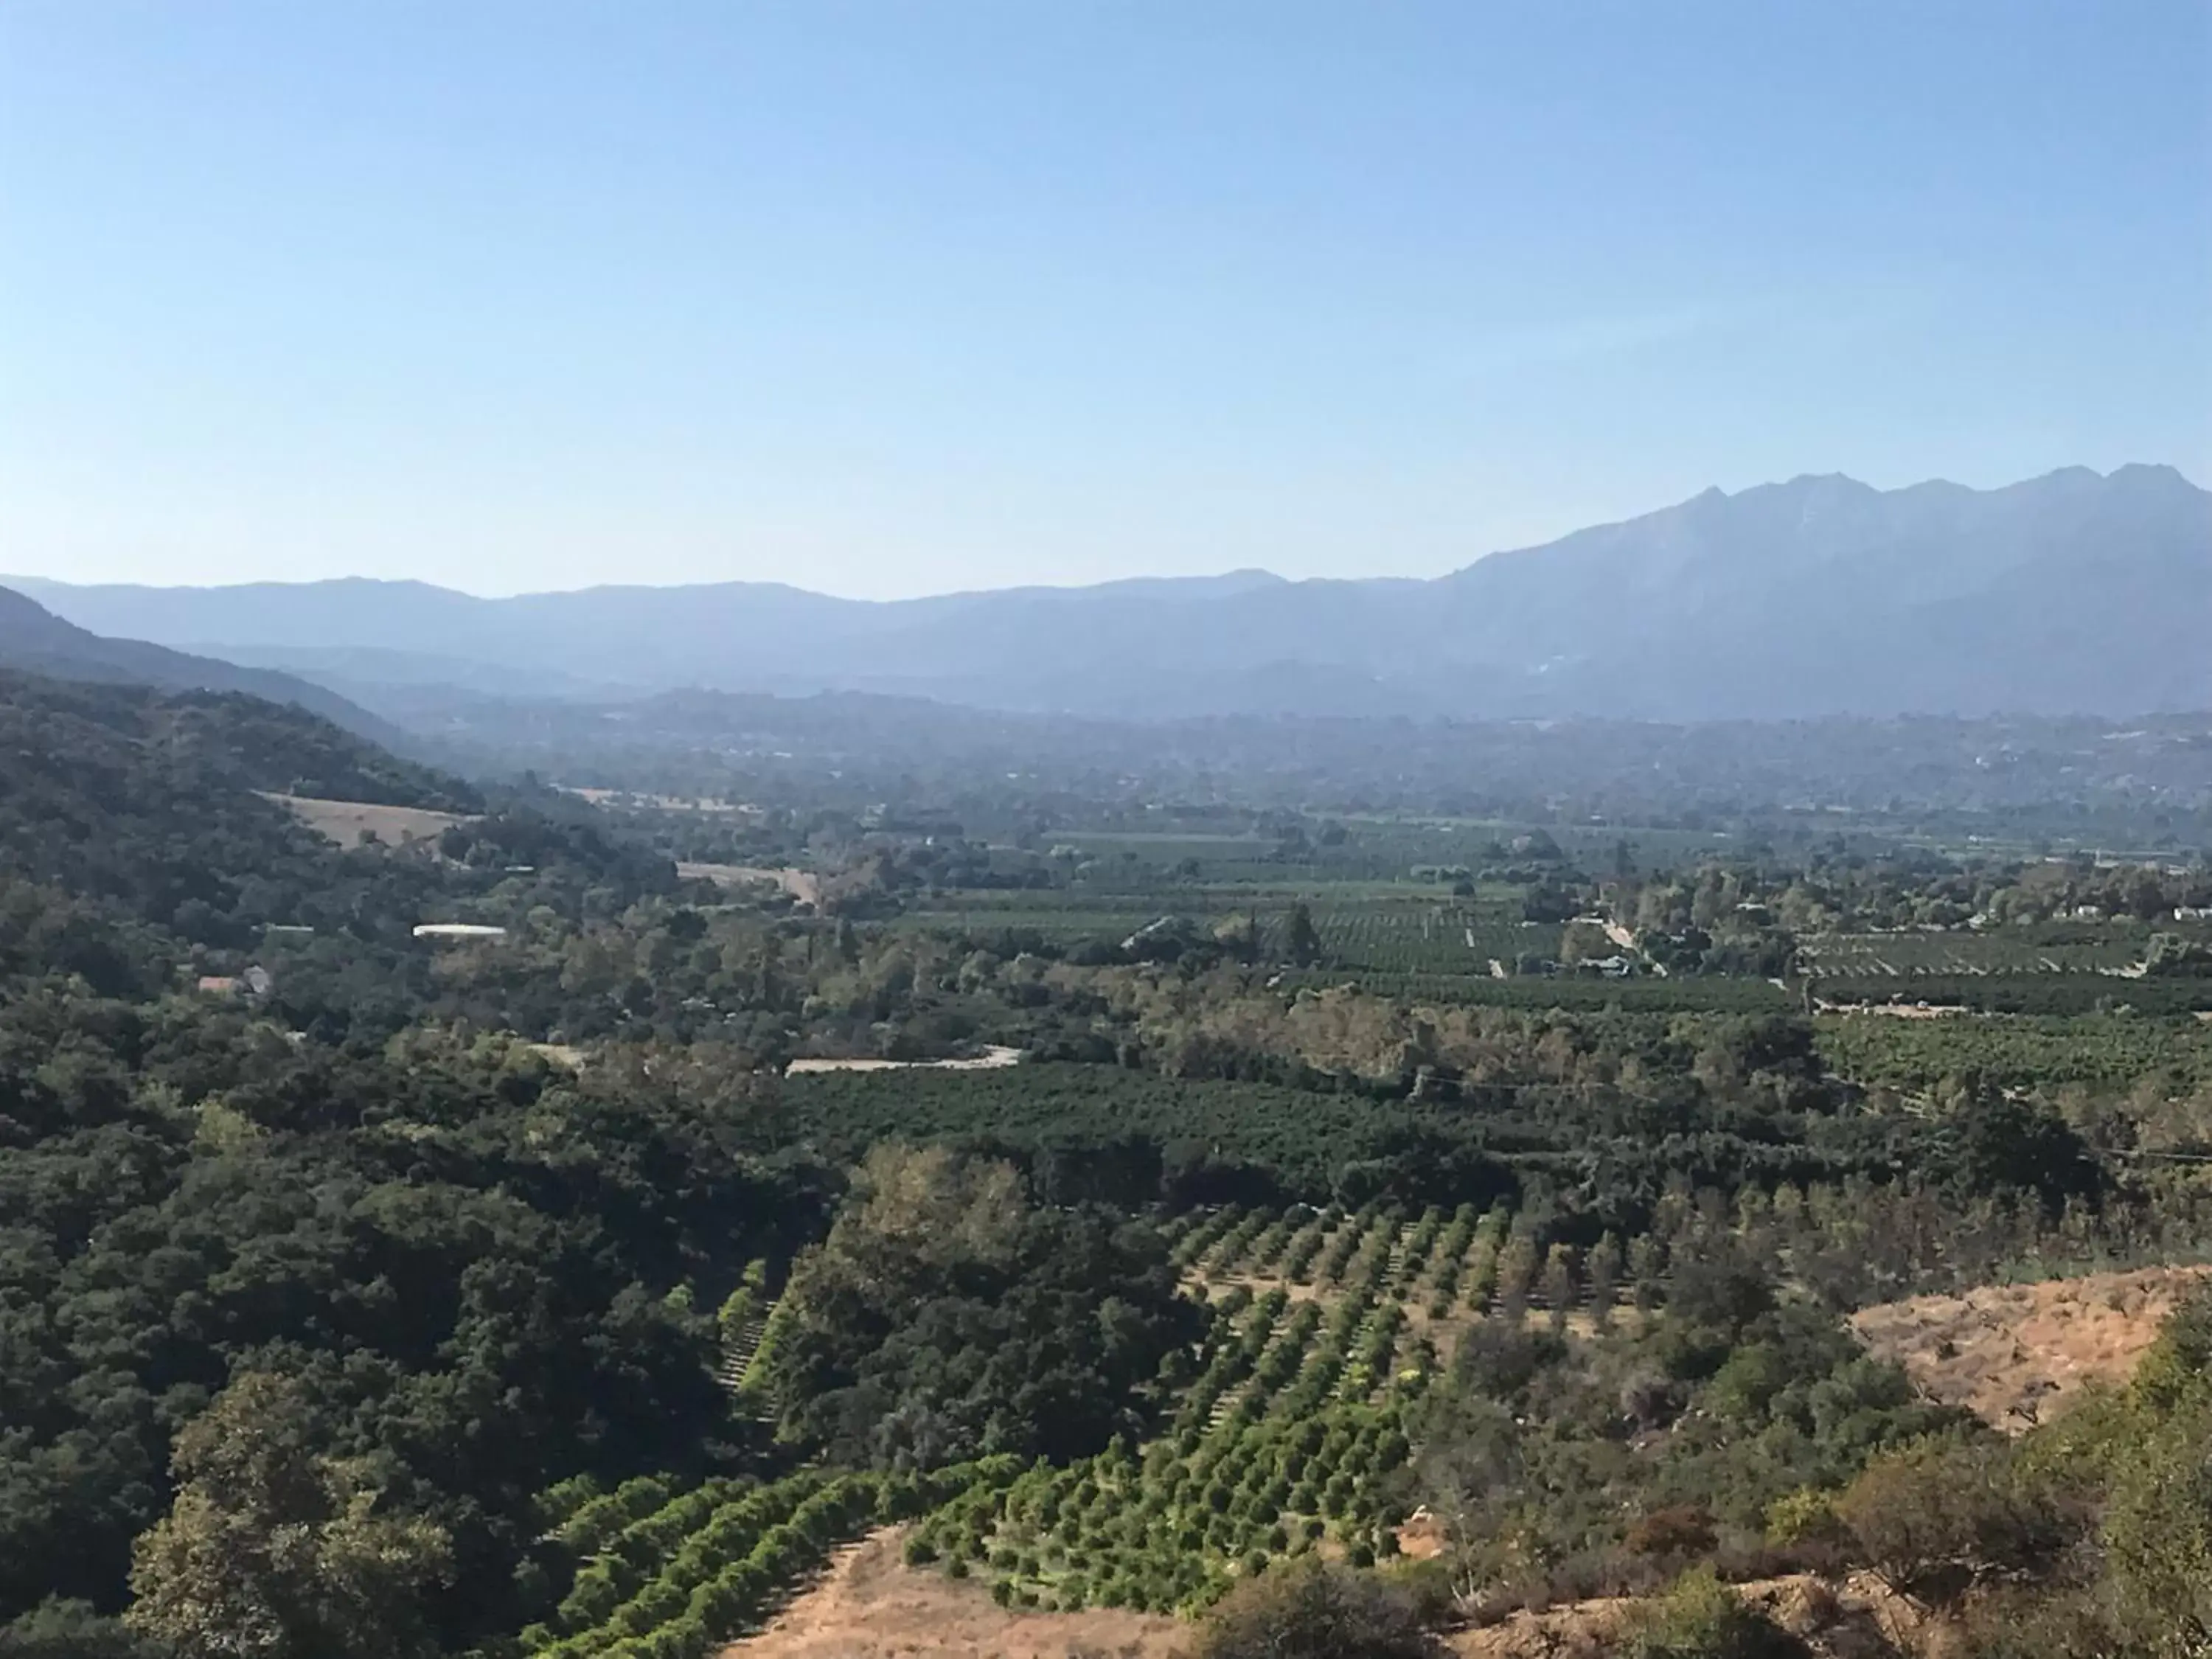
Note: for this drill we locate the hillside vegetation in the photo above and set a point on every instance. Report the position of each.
(33, 641)
(507, 1298)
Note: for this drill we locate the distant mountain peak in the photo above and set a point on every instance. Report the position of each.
(2154, 474)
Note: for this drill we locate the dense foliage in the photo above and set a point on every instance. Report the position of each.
(466, 1260)
(945, 1317)
(410, 1297)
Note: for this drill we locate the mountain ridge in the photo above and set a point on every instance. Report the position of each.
(33, 640)
(1816, 594)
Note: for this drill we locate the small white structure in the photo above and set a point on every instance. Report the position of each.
(458, 930)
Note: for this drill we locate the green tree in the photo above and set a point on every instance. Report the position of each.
(72, 1630)
(2157, 1526)
(1301, 939)
(2157, 1535)
(1938, 1516)
(946, 1317)
(272, 1551)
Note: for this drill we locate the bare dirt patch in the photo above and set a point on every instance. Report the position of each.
(1577, 1629)
(2011, 1352)
(870, 1605)
(1859, 1618)
(1422, 1537)
(345, 821)
(802, 884)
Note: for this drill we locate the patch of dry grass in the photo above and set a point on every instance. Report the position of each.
(2011, 1352)
(344, 821)
(870, 1605)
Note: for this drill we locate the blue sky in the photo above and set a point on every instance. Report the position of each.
(891, 299)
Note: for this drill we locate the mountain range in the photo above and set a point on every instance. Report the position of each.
(2074, 591)
(34, 640)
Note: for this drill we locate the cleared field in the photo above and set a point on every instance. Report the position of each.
(802, 884)
(346, 821)
(2010, 1353)
(872, 1606)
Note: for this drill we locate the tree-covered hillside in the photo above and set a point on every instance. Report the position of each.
(509, 1297)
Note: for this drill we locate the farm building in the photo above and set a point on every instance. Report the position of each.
(255, 982)
(448, 930)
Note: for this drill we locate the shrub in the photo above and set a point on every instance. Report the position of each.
(2157, 1530)
(1309, 1610)
(1806, 1516)
(1701, 1617)
(1685, 1529)
(1935, 1516)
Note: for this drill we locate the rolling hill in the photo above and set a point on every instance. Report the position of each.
(2073, 592)
(34, 640)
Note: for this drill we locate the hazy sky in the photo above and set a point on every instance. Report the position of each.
(891, 299)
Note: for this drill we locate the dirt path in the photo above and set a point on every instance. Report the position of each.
(870, 1605)
(2010, 1353)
